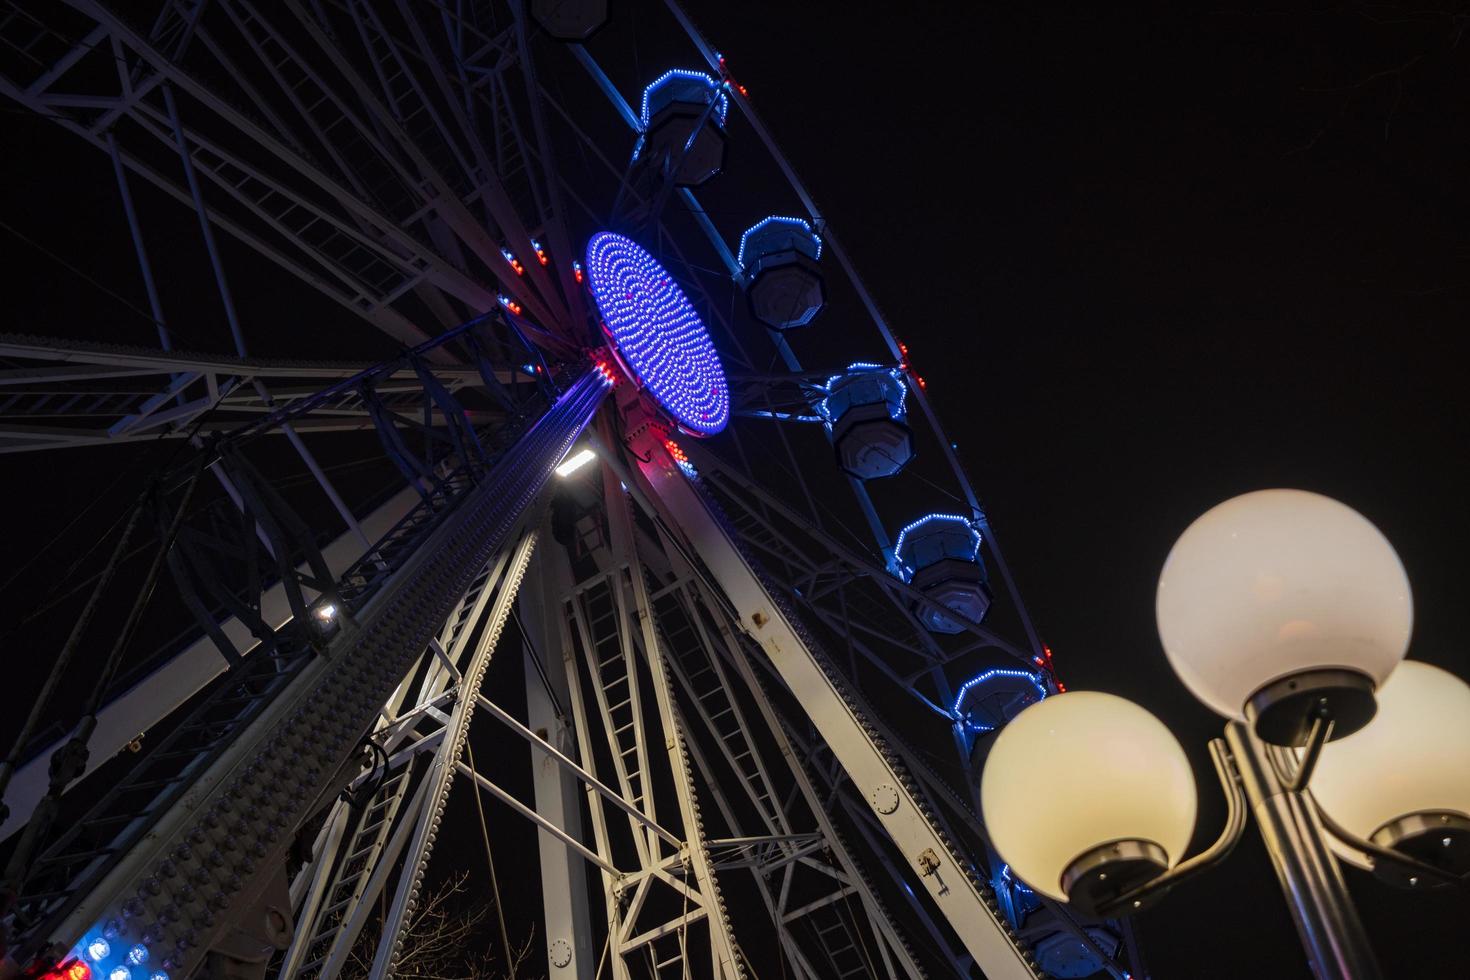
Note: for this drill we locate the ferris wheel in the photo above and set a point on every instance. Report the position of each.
(610, 403)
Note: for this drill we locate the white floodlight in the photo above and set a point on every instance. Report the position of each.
(575, 462)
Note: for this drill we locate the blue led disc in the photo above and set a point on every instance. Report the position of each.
(657, 333)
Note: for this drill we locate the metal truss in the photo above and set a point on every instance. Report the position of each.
(239, 615)
(664, 912)
(717, 646)
(660, 890)
(366, 173)
(57, 395)
(388, 817)
(838, 712)
(229, 806)
(872, 614)
(828, 918)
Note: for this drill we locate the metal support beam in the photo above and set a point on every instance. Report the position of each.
(949, 878)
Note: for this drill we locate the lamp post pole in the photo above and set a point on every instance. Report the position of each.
(1323, 911)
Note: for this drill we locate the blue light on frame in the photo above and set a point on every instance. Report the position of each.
(906, 569)
(658, 334)
(722, 108)
(862, 366)
(1014, 882)
(979, 679)
(777, 219)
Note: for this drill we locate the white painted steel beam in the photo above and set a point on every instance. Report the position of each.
(951, 887)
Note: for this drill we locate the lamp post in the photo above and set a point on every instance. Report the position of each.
(1289, 614)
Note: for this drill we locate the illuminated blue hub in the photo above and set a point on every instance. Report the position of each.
(940, 555)
(657, 334)
(864, 409)
(681, 131)
(989, 700)
(778, 261)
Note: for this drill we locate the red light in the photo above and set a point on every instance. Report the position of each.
(903, 349)
(74, 970)
(1061, 688)
(577, 274)
(1039, 661)
(923, 385)
(675, 451)
(742, 89)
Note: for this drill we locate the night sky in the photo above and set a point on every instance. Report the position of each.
(1146, 260)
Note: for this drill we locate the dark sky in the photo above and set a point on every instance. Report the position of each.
(1147, 260)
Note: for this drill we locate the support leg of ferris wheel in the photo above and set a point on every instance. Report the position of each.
(442, 771)
(724, 659)
(248, 799)
(567, 928)
(607, 624)
(362, 839)
(947, 876)
(776, 844)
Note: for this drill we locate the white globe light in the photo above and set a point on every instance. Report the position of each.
(1278, 582)
(1080, 770)
(1412, 758)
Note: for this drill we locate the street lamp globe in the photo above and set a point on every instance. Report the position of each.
(1087, 793)
(1276, 603)
(1403, 781)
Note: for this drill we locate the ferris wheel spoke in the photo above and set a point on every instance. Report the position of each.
(328, 226)
(420, 98)
(433, 189)
(75, 394)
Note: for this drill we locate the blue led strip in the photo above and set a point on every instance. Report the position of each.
(906, 568)
(658, 335)
(684, 75)
(976, 681)
(855, 368)
(777, 219)
(1014, 882)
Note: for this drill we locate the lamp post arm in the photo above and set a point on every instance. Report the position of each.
(1319, 736)
(1294, 773)
(1235, 818)
(1377, 852)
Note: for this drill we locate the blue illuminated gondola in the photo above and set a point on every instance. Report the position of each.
(865, 409)
(940, 555)
(783, 283)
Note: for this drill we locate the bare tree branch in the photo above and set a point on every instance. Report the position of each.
(445, 938)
